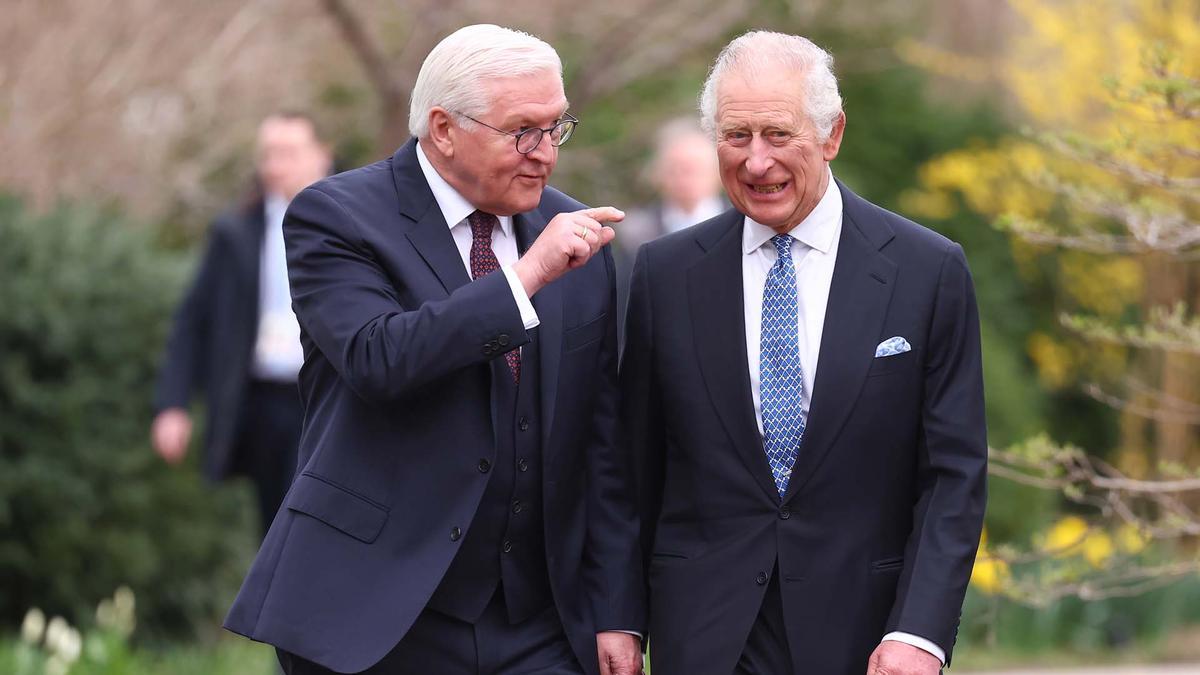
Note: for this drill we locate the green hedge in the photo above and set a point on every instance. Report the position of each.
(85, 505)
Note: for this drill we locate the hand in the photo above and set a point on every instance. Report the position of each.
(170, 433)
(899, 658)
(568, 242)
(620, 653)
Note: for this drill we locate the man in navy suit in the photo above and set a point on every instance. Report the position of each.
(802, 384)
(234, 336)
(461, 506)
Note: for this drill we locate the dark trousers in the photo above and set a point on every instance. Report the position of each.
(767, 651)
(440, 644)
(268, 441)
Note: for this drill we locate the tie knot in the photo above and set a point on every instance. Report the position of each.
(783, 244)
(482, 224)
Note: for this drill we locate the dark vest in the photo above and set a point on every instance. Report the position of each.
(505, 545)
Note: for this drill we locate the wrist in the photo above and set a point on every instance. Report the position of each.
(531, 281)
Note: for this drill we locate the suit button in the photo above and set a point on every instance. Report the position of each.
(507, 547)
(487, 349)
(455, 533)
(522, 464)
(503, 340)
(516, 506)
(785, 513)
(484, 466)
(523, 423)
(761, 579)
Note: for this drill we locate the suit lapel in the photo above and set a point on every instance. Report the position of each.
(719, 330)
(248, 254)
(429, 233)
(863, 279)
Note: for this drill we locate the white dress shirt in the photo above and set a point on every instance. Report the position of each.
(455, 209)
(277, 351)
(814, 252)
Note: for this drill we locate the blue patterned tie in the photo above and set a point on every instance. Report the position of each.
(780, 382)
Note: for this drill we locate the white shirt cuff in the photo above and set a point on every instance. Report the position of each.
(529, 315)
(634, 633)
(918, 642)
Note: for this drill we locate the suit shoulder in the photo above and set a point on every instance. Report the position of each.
(353, 182)
(914, 236)
(233, 220)
(699, 236)
(555, 202)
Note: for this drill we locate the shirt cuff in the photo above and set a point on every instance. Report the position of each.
(918, 642)
(634, 633)
(529, 315)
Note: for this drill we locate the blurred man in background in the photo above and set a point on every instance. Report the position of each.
(684, 172)
(235, 337)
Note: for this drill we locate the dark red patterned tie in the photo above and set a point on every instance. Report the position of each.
(484, 262)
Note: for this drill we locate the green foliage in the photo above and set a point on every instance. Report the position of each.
(106, 654)
(1139, 624)
(85, 505)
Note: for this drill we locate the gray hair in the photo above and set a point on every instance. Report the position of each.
(454, 73)
(764, 54)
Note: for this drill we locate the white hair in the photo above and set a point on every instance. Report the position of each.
(454, 73)
(764, 54)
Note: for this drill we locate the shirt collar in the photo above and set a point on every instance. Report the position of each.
(818, 230)
(454, 207)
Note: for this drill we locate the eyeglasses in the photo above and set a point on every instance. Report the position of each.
(529, 139)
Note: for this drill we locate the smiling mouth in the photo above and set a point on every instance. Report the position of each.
(768, 189)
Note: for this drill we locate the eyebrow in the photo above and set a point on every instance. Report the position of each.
(523, 120)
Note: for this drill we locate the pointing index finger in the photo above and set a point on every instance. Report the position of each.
(603, 214)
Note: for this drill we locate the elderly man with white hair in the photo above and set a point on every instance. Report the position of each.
(803, 390)
(461, 505)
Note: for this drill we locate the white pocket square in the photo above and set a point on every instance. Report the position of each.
(892, 346)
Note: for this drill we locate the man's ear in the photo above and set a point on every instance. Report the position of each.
(831, 146)
(441, 129)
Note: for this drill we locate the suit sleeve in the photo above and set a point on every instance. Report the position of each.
(641, 405)
(613, 562)
(184, 360)
(348, 306)
(952, 463)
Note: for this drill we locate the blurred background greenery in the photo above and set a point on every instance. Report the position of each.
(127, 125)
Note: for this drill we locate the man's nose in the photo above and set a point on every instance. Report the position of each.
(544, 151)
(760, 160)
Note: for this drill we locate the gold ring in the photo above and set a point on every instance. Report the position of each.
(583, 231)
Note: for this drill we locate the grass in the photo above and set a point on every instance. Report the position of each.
(227, 656)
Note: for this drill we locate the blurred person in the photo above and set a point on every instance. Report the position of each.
(803, 390)
(234, 336)
(683, 170)
(461, 506)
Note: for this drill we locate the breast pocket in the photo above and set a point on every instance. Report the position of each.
(886, 365)
(585, 334)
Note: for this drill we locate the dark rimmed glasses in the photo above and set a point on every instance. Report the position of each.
(529, 139)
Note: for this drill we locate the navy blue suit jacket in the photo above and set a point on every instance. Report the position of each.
(879, 525)
(212, 338)
(396, 391)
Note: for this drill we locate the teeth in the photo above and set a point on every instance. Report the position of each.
(766, 189)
